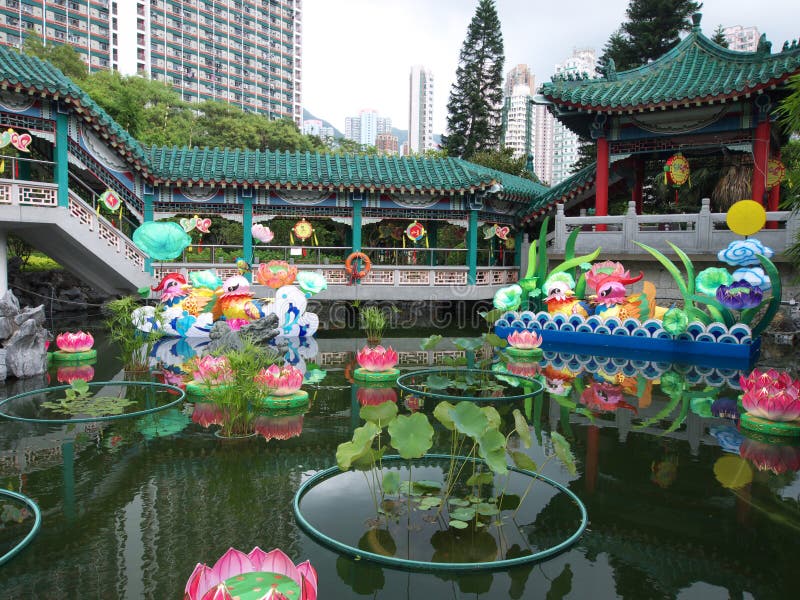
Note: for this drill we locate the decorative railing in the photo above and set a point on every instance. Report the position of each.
(40, 194)
(379, 275)
(695, 233)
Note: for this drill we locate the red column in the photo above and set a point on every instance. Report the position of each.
(638, 183)
(601, 181)
(760, 157)
(774, 200)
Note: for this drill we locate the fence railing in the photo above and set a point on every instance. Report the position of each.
(695, 233)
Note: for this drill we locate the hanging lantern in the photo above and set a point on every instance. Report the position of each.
(110, 200)
(677, 172)
(489, 232)
(303, 230)
(502, 232)
(776, 172)
(415, 231)
(19, 141)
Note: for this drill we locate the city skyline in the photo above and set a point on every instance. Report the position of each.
(541, 38)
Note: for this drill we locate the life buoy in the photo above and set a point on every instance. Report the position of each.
(366, 265)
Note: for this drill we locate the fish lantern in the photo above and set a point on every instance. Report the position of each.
(161, 240)
(303, 230)
(677, 172)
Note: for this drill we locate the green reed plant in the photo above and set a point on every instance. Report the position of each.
(373, 322)
(134, 345)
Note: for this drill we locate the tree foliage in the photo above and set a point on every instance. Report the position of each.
(719, 37)
(474, 119)
(653, 27)
(503, 160)
(62, 56)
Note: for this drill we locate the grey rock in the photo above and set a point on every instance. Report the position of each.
(26, 355)
(7, 327)
(223, 338)
(262, 330)
(26, 314)
(9, 305)
(3, 370)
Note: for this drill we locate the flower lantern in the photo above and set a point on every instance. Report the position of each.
(770, 399)
(776, 172)
(303, 230)
(276, 274)
(240, 575)
(377, 364)
(740, 295)
(280, 381)
(524, 345)
(74, 347)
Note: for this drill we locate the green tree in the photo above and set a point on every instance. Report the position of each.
(653, 27)
(62, 56)
(503, 160)
(719, 37)
(474, 119)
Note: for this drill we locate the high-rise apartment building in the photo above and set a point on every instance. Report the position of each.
(318, 128)
(366, 127)
(565, 142)
(543, 125)
(245, 52)
(387, 143)
(519, 75)
(742, 39)
(352, 128)
(518, 130)
(420, 109)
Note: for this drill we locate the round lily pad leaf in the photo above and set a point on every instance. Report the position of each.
(412, 435)
(457, 524)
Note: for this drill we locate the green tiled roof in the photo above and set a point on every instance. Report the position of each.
(21, 71)
(695, 70)
(264, 167)
(578, 181)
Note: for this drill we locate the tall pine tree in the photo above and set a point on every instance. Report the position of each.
(719, 37)
(474, 119)
(653, 27)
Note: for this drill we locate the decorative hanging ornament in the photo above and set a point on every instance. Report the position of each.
(415, 231)
(489, 232)
(110, 200)
(303, 230)
(776, 172)
(677, 172)
(19, 141)
(502, 232)
(203, 225)
(188, 224)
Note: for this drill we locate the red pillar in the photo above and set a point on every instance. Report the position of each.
(760, 157)
(601, 181)
(638, 184)
(774, 201)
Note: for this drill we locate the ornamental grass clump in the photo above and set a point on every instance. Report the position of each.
(373, 322)
(135, 345)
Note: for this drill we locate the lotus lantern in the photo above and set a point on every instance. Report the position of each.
(377, 359)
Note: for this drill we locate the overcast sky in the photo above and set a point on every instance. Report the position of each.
(358, 53)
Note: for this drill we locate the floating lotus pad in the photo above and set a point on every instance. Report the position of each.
(161, 240)
(295, 400)
(255, 585)
(198, 389)
(526, 353)
(776, 428)
(73, 357)
(362, 374)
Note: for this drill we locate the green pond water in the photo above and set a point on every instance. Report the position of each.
(680, 504)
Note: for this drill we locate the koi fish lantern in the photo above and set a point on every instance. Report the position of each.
(190, 308)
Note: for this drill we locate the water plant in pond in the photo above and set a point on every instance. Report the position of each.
(374, 322)
(479, 452)
(78, 401)
(134, 344)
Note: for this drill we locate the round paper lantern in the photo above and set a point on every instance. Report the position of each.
(746, 217)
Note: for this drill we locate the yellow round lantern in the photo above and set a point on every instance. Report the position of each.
(677, 171)
(303, 230)
(733, 472)
(746, 217)
(776, 172)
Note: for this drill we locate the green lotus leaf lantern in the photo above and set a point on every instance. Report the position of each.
(675, 321)
(161, 240)
(508, 298)
(708, 280)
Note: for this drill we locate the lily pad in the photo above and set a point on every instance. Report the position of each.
(427, 484)
(442, 414)
(412, 435)
(347, 452)
(380, 414)
(457, 502)
(438, 382)
(486, 509)
(481, 479)
(494, 340)
(522, 429)
(492, 448)
(492, 416)
(469, 419)
(563, 451)
(391, 482)
(429, 343)
(457, 524)
(463, 514)
(523, 461)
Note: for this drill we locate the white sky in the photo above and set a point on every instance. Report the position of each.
(358, 53)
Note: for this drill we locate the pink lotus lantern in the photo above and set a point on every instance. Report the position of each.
(80, 341)
(276, 273)
(280, 381)
(377, 359)
(264, 575)
(206, 414)
(372, 396)
(69, 374)
(524, 369)
(525, 340)
(213, 370)
(771, 395)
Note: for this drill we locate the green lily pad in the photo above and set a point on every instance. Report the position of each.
(427, 484)
(492, 416)
(563, 451)
(481, 479)
(457, 502)
(368, 459)
(347, 452)
(469, 419)
(438, 382)
(463, 514)
(429, 343)
(522, 429)
(494, 340)
(430, 502)
(486, 509)
(523, 461)
(457, 524)
(379, 414)
(391, 482)
(412, 435)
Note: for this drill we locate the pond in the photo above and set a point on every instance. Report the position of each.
(681, 504)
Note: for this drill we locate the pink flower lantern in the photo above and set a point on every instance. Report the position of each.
(771, 457)
(69, 374)
(80, 341)
(771, 395)
(278, 428)
(213, 370)
(372, 396)
(259, 574)
(280, 381)
(377, 359)
(525, 340)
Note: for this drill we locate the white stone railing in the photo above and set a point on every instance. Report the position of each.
(45, 195)
(694, 233)
(404, 276)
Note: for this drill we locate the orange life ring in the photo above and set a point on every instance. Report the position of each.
(365, 261)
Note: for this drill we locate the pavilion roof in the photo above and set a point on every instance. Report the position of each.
(697, 70)
(27, 74)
